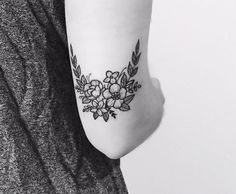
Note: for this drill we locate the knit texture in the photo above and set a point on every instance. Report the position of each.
(43, 147)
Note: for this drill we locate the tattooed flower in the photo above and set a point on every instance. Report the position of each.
(115, 96)
(98, 108)
(93, 90)
(116, 91)
(111, 77)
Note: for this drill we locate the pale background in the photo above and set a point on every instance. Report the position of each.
(193, 52)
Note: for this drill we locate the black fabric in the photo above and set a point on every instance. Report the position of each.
(43, 147)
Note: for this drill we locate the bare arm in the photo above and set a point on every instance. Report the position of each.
(118, 104)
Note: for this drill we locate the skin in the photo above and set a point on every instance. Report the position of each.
(104, 34)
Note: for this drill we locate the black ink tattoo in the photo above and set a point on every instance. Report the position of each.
(115, 92)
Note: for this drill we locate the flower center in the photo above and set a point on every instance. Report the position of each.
(115, 95)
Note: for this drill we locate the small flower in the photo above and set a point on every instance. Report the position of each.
(115, 96)
(111, 77)
(93, 90)
(98, 108)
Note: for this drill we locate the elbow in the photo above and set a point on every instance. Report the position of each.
(119, 151)
(137, 134)
(125, 143)
(114, 146)
(115, 149)
(118, 140)
(115, 154)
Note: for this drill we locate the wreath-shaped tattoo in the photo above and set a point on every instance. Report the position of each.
(115, 92)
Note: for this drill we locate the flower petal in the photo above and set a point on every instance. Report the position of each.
(93, 87)
(108, 73)
(87, 86)
(95, 82)
(96, 92)
(99, 98)
(86, 94)
(100, 104)
(89, 92)
(113, 80)
(115, 74)
(100, 85)
(118, 103)
(122, 93)
(107, 80)
(106, 94)
(99, 112)
(91, 97)
(114, 88)
(110, 102)
(104, 110)
(93, 110)
(94, 103)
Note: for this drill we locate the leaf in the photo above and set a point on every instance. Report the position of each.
(74, 65)
(78, 69)
(138, 57)
(134, 58)
(74, 61)
(79, 82)
(124, 107)
(87, 108)
(85, 100)
(112, 113)
(71, 50)
(124, 80)
(135, 70)
(130, 69)
(128, 99)
(137, 47)
(78, 88)
(106, 116)
(76, 73)
(95, 115)
(83, 79)
(130, 83)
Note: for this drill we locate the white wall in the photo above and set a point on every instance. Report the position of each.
(193, 52)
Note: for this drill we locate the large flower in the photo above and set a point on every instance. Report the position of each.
(93, 90)
(111, 77)
(115, 95)
(98, 108)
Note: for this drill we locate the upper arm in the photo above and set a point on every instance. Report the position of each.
(108, 50)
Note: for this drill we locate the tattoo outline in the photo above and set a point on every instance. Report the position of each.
(115, 92)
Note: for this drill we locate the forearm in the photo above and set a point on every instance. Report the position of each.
(104, 34)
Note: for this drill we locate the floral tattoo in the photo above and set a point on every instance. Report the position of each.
(115, 92)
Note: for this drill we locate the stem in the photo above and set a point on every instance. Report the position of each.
(128, 79)
(121, 73)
